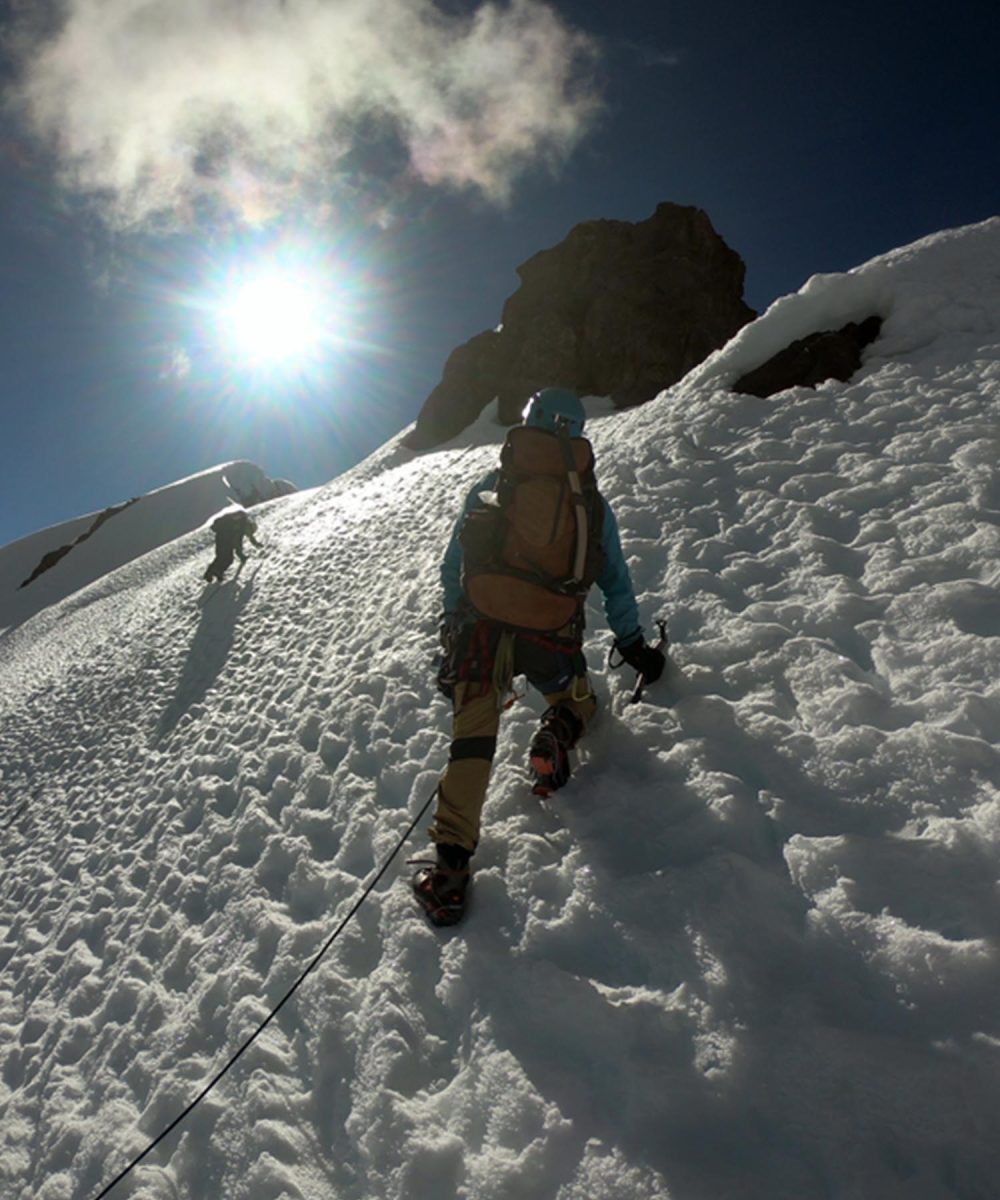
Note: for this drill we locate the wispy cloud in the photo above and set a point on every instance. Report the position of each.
(649, 55)
(177, 365)
(160, 106)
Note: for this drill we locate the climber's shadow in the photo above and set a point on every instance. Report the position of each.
(219, 609)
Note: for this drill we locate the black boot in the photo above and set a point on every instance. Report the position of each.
(441, 886)
(453, 857)
(548, 756)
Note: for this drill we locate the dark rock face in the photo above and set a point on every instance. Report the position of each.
(49, 559)
(616, 309)
(830, 354)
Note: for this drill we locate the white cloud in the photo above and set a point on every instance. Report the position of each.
(158, 105)
(177, 366)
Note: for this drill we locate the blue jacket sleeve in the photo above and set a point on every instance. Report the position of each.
(616, 583)
(451, 564)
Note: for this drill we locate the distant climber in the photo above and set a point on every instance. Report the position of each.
(533, 536)
(230, 527)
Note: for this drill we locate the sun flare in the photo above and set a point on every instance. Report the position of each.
(275, 318)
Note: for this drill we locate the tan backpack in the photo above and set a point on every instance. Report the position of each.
(533, 548)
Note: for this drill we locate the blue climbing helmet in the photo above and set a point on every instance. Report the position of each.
(554, 406)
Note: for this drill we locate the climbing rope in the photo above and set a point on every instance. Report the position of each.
(278, 1007)
(7, 824)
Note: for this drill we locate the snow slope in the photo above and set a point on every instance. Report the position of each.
(99, 543)
(750, 952)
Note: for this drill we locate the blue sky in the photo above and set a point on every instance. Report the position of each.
(814, 139)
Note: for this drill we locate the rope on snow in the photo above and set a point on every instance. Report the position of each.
(278, 1007)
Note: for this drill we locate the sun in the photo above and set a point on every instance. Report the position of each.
(275, 318)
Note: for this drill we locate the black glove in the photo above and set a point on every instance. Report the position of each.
(648, 660)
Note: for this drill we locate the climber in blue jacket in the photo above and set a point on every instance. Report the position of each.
(532, 536)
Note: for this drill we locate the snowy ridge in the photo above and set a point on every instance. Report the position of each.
(97, 544)
(941, 284)
(750, 951)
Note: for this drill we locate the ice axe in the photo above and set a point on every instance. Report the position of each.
(640, 682)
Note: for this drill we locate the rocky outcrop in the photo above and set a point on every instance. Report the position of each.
(617, 309)
(829, 354)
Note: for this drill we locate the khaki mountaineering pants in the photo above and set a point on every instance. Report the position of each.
(477, 705)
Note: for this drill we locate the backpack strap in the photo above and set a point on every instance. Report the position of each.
(578, 502)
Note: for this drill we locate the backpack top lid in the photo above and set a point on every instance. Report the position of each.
(233, 515)
(530, 450)
(554, 408)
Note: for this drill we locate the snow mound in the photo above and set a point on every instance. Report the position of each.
(939, 287)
